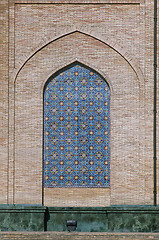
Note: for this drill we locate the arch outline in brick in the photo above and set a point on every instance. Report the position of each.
(116, 47)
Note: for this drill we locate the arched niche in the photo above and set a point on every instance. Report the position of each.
(127, 125)
(76, 146)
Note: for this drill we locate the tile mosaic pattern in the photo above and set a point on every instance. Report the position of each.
(77, 129)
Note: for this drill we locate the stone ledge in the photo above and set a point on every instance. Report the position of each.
(22, 208)
(77, 236)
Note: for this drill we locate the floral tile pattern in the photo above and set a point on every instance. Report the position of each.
(77, 129)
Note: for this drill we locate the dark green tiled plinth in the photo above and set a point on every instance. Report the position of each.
(108, 219)
(133, 219)
(88, 219)
(22, 218)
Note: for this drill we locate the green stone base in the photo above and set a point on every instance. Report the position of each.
(108, 219)
(22, 218)
(88, 219)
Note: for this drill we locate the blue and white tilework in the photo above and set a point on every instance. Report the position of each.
(77, 129)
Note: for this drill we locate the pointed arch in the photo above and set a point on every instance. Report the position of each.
(82, 63)
(76, 129)
(115, 46)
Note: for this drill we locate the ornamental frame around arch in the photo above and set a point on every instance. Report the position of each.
(115, 46)
(65, 63)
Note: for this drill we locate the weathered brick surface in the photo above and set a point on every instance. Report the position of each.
(124, 112)
(77, 236)
(114, 37)
(3, 100)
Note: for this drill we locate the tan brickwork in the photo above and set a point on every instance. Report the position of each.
(77, 236)
(75, 197)
(3, 100)
(125, 92)
(105, 20)
(115, 38)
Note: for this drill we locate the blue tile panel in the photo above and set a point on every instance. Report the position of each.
(77, 129)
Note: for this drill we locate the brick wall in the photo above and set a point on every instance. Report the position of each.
(4, 100)
(115, 38)
(124, 112)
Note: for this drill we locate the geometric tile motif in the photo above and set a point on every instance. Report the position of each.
(76, 129)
